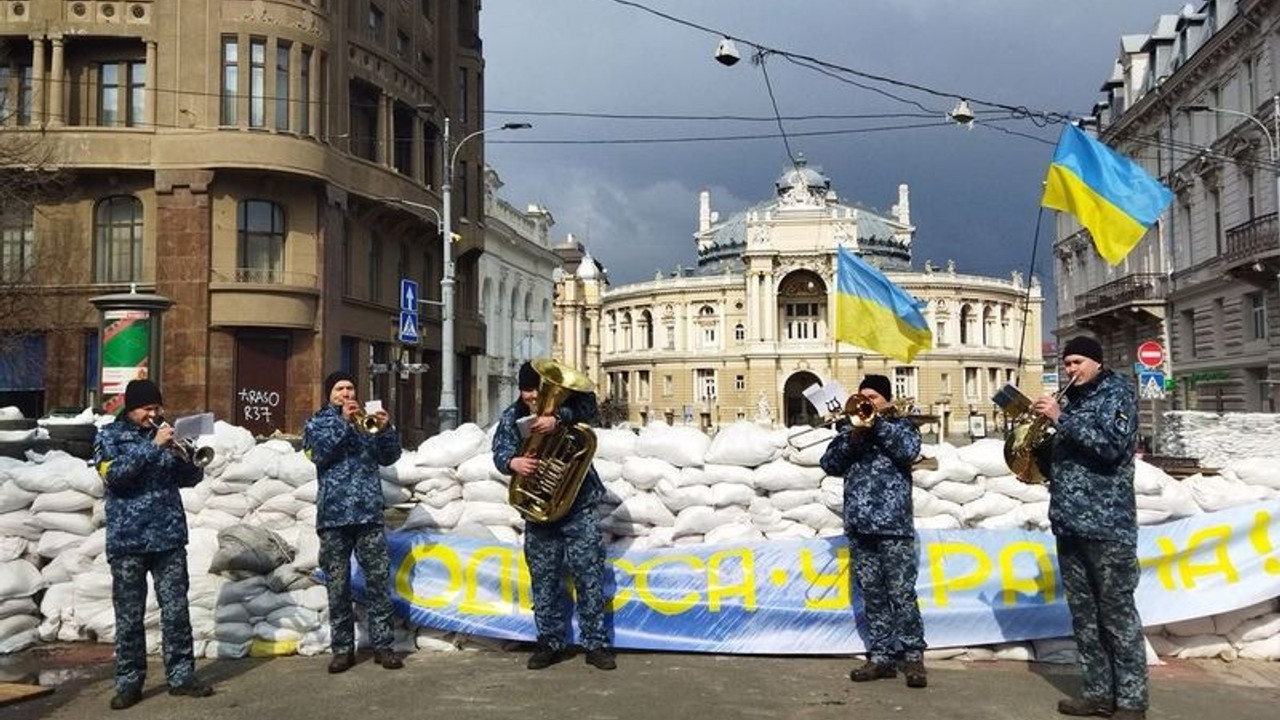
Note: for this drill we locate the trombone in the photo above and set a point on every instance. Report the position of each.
(858, 414)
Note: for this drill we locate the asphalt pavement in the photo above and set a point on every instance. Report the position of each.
(494, 685)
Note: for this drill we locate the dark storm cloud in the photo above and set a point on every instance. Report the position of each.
(974, 193)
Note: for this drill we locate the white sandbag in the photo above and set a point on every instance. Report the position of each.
(645, 472)
(734, 532)
(1190, 628)
(266, 631)
(990, 505)
(1148, 479)
(701, 520)
(1267, 649)
(307, 492)
(831, 493)
(764, 516)
(489, 514)
(785, 500)
(241, 591)
(55, 471)
(607, 469)
(505, 534)
(293, 617)
(1016, 652)
(1035, 515)
(925, 504)
(222, 650)
(18, 523)
(1016, 489)
(726, 494)
(679, 446)
(19, 578)
(815, 515)
(478, 468)
(18, 641)
(1152, 517)
(1252, 630)
(75, 523)
(443, 478)
(615, 444)
(1224, 623)
(286, 505)
(64, 501)
(12, 548)
(1058, 651)
(194, 498)
(204, 589)
(260, 462)
(957, 492)
(986, 456)
(315, 598)
(815, 440)
(232, 614)
(781, 475)
(427, 517)
(314, 642)
(1213, 492)
(678, 498)
(432, 640)
(615, 491)
(789, 530)
(441, 497)
(18, 606)
(236, 505)
(938, 522)
(744, 443)
(13, 497)
(393, 494)
(56, 542)
(623, 528)
(451, 447)
(406, 471)
(485, 491)
(957, 470)
(1162, 645)
(646, 509)
(1206, 646)
(1259, 471)
(295, 470)
(264, 490)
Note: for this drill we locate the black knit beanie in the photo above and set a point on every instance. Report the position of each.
(140, 393)
(880, 384)
(1085, 347)
(334, 378)
(529, 378)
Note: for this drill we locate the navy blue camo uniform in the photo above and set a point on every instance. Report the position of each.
(573, 543)
(349, 517)
(146, 532)
(1094, 516)
(875, 463)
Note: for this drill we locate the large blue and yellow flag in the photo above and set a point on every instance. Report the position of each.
(1109, 194)
(873, 313)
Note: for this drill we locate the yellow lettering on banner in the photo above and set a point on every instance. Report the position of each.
(1042, 584)
(938, 552)
(824, 584)
(666, 607)
(746, 589)
(1164, 563)
(420, 553)
(1220, 536)
(621, 595)
(1262, 543)
(471, 603)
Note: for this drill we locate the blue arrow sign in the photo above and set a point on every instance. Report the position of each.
(409, 296)
(408, 327)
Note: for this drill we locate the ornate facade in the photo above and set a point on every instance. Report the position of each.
(744, 333)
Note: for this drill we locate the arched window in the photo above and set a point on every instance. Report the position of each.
(260, 230)
(966, 325)
(117, 233)
(646, 329)
(988, 326)
(739, 332)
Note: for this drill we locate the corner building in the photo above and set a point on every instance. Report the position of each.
(746, 331)
(245, 159)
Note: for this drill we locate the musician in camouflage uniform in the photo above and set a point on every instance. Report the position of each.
(573, 542)
(875, 462)
(147, 532)
(1094, 516)
(349, 517)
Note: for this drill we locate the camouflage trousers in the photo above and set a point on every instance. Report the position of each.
(885, 571)
(370, 547)
(572, 544)
(1099, 578)
(129, 599)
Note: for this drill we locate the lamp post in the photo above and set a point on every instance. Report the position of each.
(1271, 134)
(448, 399)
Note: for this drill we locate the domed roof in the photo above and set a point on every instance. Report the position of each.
(801, 175)
(587, 267)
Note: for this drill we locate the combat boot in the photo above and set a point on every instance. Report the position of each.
(1129, 714)
(342, 662)
(873, 671)
(193, 688)
(1084, 707)
(126, 698)
(916, 675)
(544, 657)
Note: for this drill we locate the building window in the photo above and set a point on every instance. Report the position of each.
(137, 103)
(904, 383)
(6, 99)
(944, 382)
(671, 337)
(1189, 332)
(118, 240)
(230, 79)
(373, 31)
(426, 8)
(348, 257)
(666, 385)
(462, 95)
(940, 333)
(304, 92)
(972, 388)
(704, 384)
(739, 332)
(375, 268)
(1250, 199)
(109, 94)
(740, 382)
(1258, 316)
(1250, 90)
(801, 321)
(25, 88)
(1215, 211)
(642, 385)
(461, 173)
(401, 48)
(260, 229)
(283, 50)
(257, 83)
(17, 243)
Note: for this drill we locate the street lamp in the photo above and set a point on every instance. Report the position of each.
(1272, 135)
(448, 401)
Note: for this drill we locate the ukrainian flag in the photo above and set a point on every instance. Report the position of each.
(1109, 194)
(875, 314)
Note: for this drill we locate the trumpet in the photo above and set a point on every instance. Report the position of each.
(859, 414)
(185, 449)
(367, 423)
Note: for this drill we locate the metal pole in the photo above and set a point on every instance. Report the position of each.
(448, 402)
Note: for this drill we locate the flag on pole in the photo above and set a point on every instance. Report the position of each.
(873, 313)
(1109, 194)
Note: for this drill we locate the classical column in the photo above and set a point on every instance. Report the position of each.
(149, 92)
(384, 136)
(313, 92)
(418, 167)
(297, 103)
(37, 81)
(57, 86)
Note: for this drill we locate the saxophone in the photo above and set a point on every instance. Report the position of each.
(1026, 437)
(564, 455)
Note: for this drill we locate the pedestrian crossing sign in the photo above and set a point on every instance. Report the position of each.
(408, 327)
(1151, 385)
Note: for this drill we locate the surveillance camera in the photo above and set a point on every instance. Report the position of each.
(727, 53)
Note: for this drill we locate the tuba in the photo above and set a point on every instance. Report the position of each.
(1026, 437)
(564, 456)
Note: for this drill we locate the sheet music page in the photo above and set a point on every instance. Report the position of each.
(193, 426)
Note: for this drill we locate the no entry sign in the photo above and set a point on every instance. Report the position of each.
(1151, 354)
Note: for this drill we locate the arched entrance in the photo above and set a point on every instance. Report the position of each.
(795, 409)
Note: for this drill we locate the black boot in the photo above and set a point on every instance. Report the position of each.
(916, 676)
(873, 671)
(544, 657)
(388, 659)
(1084, 707)
(192, 688)
(126, 698)
(602, 659)
(342, 662)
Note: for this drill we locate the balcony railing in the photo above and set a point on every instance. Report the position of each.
(1142, 288)
(264, 276)
(1251, 239)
